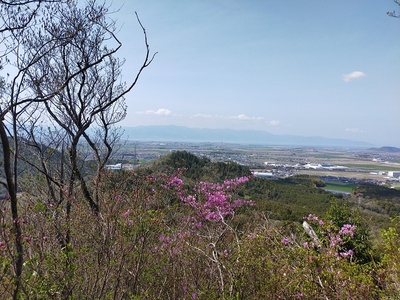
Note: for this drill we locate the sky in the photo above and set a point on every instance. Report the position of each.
(307, 68)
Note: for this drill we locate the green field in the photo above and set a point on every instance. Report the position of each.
(340, 187)
(330, 156)
(372, 167)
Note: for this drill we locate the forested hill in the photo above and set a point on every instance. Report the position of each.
(201, 168)
(282, 199)
(287, 199)
(386, 149)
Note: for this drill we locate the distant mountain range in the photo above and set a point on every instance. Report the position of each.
(386, 149)
(173, 133)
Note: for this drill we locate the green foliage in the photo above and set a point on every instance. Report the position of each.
(378, 199)
(219, 171)
(184, 159)
(376, 191)
(288, 199)
(291, 271)
(148, 243)
(341, 214)
(201, 168)
(310, 181)
(389, 272)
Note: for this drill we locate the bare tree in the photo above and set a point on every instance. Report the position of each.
(64, 88)
(393, 13)
(18, 14)
(88, 106)
(15, 18)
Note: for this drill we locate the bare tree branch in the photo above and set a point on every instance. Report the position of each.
(393, 13)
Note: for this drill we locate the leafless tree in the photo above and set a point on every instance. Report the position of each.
(15, 18)
(89, 105)
(393, 13)
(64, 88)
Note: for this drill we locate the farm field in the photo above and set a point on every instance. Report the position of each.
(362, 164)
(340, 187)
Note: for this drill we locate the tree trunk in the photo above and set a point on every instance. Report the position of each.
(12, 191)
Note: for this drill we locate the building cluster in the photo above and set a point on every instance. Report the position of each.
(285, 162)
(278, 170)
(119, 166)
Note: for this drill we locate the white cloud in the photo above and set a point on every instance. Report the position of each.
(240, 117)
(354, 130)
(243, 117)
(353, 75)
(202, 116)
(274, 123)
(158, 112)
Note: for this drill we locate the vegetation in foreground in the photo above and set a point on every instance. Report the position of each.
(183, 229)
(163, 234)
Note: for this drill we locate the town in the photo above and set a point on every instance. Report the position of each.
(375, 166)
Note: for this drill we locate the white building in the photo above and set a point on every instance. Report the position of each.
(114, 167)
(313, 166)
(263, 174)
(394, 174)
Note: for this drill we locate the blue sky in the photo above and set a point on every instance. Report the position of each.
(309, 68)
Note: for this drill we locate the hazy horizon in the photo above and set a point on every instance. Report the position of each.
(175, 133)
(306, 68)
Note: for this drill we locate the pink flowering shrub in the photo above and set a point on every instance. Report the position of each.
(304, 267)
(160, 236)
(214, 201)
(333, 240)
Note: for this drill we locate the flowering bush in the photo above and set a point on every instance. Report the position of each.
(214, 201)
(160, 236)
(306, 267)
